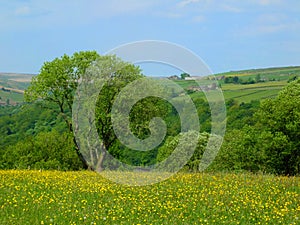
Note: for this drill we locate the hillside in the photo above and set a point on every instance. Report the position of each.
(12, 86)
(260, 83)
(279, 73)
(37, 137)
(248, 85)
(254, 84)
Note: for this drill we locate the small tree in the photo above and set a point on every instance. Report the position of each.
(235, 79)
(184, 75)
(257, 78)
(197, 160)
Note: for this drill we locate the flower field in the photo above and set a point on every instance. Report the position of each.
(52, 197)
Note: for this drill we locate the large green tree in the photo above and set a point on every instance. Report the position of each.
(83, 87)
(279, 125)
(272, 143)
(110, 74)
(57, 82)
(102, 87)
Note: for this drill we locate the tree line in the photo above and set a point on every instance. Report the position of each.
(261, 136)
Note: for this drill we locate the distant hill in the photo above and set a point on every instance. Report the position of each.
(253, 84)
(279, 73)
(257, 84)
(12, 86)
(249, 85)
(15, 80)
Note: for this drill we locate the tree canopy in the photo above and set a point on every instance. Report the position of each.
(268, 142)
(96, 80)
(57, 82)
(279, 119)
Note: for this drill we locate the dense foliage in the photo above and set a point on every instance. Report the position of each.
(270, 140)
(261, 136)
(34, 137)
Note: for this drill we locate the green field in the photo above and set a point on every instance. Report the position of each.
(277, 73)
(241, 92)
(247, 93)
(52, 197)
(11, 87)
(275, 80)
(12, 96)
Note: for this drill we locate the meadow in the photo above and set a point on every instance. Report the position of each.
(53, 197)
(241, 92)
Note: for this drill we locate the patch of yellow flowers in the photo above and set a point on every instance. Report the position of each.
(53, 197)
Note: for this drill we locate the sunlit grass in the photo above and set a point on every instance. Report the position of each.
(259, 86)
(52, 197)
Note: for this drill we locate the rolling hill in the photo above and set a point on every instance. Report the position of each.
(254, 84)
(250, 85)
(12, 86)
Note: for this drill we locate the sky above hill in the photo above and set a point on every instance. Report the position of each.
(226, 34)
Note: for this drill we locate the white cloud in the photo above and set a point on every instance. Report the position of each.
(23, 10)
(69, 12)
(199, 19)
(229, 8)
(269, 2)
(265, 29)
(60, 13)
(116, 7)
(211, 5)
(271, 18)
(271, 23)
(171, 15)
(186, 2)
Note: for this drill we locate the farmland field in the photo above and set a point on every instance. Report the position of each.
(53, 197)
(12, 96)
(239, 92)
(279, 73)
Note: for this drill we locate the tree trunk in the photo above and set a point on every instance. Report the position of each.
(85, 165)
(99, 166)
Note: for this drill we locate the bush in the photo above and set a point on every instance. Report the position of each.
(47, 150)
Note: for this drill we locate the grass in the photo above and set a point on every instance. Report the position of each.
(279, 73)
(239, 92)
(264, 85)
(15, 80)
(12, 96)
(250, 95)
(242, 93)
(250, 92)
(14, 85)
(18, 85)
(262, 90)
(53, 197)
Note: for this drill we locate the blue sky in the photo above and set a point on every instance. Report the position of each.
(226, 34)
